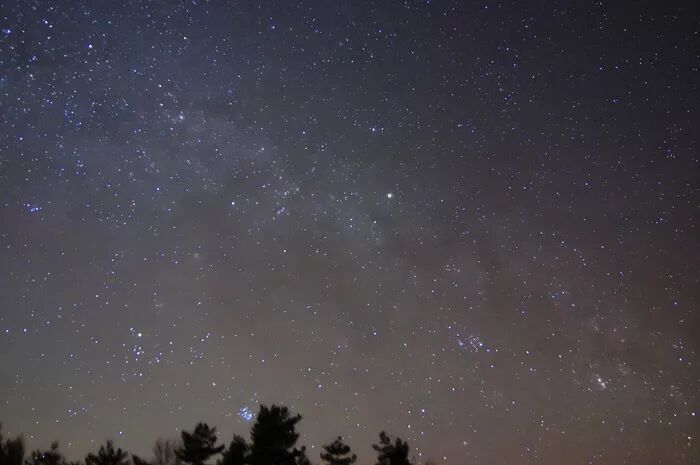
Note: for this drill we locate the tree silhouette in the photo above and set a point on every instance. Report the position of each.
(273, 438)
(273, 441)
(11, 450)
(338, 453)
(164, 453)
(237, 452)
(391, 454)
(107, 455)
(136, 460)
(300, 457)
(198, 446)
(49, 457)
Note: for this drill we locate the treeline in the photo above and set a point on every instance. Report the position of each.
(273, 441)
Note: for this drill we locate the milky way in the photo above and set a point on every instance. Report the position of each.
(470, 224)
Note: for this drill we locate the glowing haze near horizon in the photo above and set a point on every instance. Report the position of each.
(471, 224)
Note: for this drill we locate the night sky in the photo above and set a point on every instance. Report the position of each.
(471, 224)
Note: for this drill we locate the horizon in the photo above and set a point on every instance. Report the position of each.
(70, 453)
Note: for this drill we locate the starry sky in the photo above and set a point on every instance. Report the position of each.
(473, 224)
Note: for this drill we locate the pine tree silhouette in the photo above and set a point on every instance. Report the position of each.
(136, 460)
(237, 452)
(107, 455)
(391, 454)
(49, 457)
(338, 453)
(273, 441)
(273, 437)
(198, 446)
(11, 450)
(300, 457)
(164, 452)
